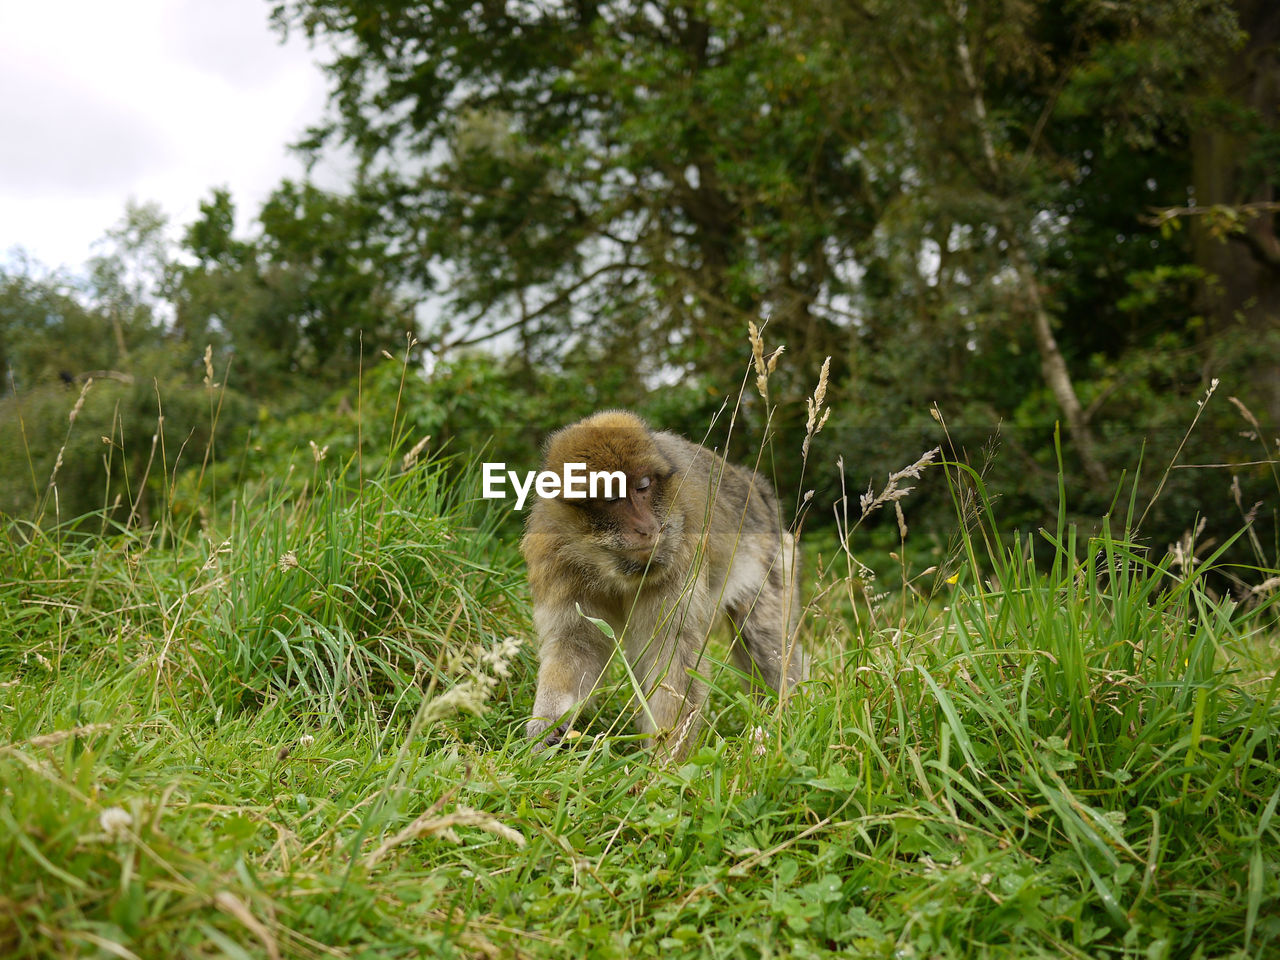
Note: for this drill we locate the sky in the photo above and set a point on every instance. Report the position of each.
(150, 100)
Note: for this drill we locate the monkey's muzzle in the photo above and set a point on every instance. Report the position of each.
(634, 561)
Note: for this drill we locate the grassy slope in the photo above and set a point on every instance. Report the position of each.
(317, 759)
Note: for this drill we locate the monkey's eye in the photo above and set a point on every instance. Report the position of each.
(642, 483)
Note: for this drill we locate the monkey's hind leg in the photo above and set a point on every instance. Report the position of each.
(767, 623)
(674, 696)
(568, 673)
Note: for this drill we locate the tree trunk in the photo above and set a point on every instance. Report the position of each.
(1244, 269)
(1052, 364)
(1054, 369)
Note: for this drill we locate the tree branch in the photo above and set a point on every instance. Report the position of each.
(559, 300)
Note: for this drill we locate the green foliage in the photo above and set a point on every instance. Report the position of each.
(116, 455)
(285, 318)
(246, 740)
(275, 638)
(475, 407)
(606, 193)
(634, 184)
(646, 178)
(45, 331)
(339, 597)
(300, 308)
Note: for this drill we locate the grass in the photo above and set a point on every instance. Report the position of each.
(300, 734)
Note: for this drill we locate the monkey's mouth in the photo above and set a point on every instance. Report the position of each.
(637, 561)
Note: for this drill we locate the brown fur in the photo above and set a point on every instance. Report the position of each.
(661, 566)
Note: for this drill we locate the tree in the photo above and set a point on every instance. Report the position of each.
(64, 328)
(994, 97)
(300, 304)
(1235, 150)
(101, 401)
(624, 173)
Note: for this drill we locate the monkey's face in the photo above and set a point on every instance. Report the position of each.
(620, 534)
(633, 531)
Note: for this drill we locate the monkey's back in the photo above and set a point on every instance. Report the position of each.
(745, 499)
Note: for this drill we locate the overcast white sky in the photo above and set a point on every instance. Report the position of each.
(158, 100)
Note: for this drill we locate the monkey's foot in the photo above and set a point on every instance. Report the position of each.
(545, 735)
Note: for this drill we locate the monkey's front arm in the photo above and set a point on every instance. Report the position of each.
(572, 656)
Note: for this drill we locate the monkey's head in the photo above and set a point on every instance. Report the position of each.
(625, 527)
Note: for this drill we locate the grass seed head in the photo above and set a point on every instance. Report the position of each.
(208, 368)
(411, 457)
(762, 368)
(817, 416)
(75, 410)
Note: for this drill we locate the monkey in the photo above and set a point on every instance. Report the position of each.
(690, 541)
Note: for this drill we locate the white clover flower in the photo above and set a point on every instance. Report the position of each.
(115, 822)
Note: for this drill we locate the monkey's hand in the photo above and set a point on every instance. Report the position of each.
(546, 733)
